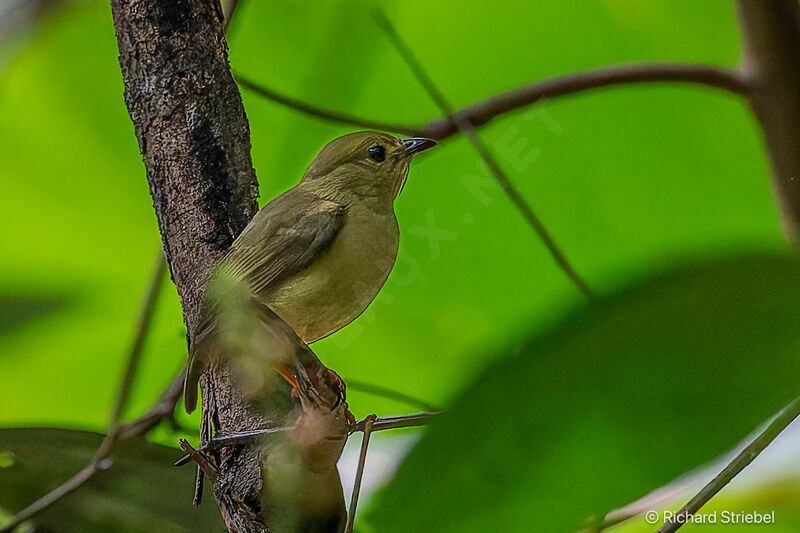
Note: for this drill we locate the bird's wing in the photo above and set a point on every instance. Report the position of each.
(287, 239)
(284, 238)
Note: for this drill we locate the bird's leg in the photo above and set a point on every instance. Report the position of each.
(287, 375)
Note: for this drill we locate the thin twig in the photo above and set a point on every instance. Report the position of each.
(482, 111)
(362, 460)
(142, 328)
(221, 441)
(379, 390)
(164, 407)
(380, 424)
(468, 130)
(396, 422)
(744, 458)
(201, 459)
(324, 114)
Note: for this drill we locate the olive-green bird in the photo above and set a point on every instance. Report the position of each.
(318, 254)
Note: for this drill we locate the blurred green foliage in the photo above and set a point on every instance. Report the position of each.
(137, 495)
(619, 400)
(630, 180)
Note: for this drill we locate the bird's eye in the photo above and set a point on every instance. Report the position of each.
(377, 153)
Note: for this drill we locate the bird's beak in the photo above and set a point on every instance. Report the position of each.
(416, 145)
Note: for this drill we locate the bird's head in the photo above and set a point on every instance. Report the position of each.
(364, 164)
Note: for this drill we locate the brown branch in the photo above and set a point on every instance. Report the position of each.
(481, 112)
(396, 422)
(385, 392)
(142, 329)
(468, 130)
(771, 64)
(380, 424)
(369, 421)
(116, 432)
(321, 113)
(194, 136)
(744, 458)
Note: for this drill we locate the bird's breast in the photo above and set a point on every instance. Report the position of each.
(343, 281)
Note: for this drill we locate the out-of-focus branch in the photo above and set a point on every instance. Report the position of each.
(744, 458)
(142, 330)
(771, 66)
(468, 130)
(385, 392)
(319, 112)
(481, 112)
(117, 432)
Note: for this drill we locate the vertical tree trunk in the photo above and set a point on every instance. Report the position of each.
(194, 136)
(771, 64)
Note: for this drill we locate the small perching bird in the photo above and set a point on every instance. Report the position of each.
(318, 254)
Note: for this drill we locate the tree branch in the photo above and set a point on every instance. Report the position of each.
(379, 424)
(744, 458)
(362, 461)
(142, 330)
(195, 140)
(321, 113)
(771, 64)
(481, 112)
(385, 392)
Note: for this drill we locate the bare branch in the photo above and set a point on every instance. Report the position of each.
(142, 329)
(195, 142)
(481, 112)
(379, 424)
(396, 422)
(771, 62)
(468, 130)
(362, 460)
(392, 394)
(319, 112)
(744, 458)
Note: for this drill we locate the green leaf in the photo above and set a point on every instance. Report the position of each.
(141, 491)
(617, 400)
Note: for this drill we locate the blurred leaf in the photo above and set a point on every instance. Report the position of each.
(616, 401)
(16, 311)
(141, 491)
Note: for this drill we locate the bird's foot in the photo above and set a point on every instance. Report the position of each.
(338, 384)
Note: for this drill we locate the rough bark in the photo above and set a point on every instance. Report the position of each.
(771, 65)
(194, 136)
